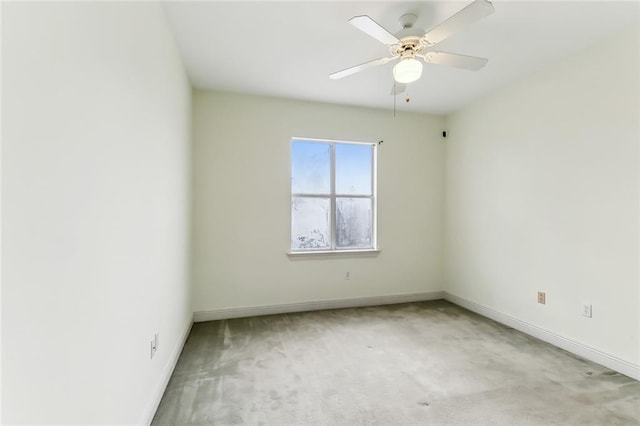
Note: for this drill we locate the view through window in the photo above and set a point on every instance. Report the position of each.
(332, 195)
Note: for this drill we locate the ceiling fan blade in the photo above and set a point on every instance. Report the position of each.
(358, 68)
(454, 60)
(375, 30)
(467, 16)
(397, 88)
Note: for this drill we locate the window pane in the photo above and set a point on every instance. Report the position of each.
(310, 168)
(353, 169)
(310, 228)
(354, 223)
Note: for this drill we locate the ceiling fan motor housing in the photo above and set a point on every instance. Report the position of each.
(408, 47)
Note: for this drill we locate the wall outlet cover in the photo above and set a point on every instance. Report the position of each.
(542, 297)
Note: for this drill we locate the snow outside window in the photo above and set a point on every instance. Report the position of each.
(332, 195)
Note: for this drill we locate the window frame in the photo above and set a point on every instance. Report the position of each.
(333, 196)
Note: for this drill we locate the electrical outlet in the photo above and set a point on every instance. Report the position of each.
(347, 276)
(154, 344)
(586, 310)
(542, 297)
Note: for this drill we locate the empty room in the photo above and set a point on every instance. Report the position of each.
(306, 212)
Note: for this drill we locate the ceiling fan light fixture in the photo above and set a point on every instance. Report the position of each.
(407, 70)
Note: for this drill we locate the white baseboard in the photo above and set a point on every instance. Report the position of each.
(152, 407)
(218, 314)
(621, 366)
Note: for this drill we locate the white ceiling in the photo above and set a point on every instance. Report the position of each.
(288, 49)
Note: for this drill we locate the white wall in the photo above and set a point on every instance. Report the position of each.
(542, 189)
(95, 173)
(242, 203)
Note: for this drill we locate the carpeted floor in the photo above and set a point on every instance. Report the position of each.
(416, 363)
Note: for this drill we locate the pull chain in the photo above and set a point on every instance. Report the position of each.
(395, 95)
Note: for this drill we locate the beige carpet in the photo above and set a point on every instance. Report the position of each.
(417, 363)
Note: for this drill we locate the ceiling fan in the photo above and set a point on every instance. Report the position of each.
(411, 43)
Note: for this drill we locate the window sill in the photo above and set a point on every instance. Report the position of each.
(334, 253)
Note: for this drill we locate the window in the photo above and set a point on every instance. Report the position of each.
(333, 205)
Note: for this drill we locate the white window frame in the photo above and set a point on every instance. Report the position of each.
(333, 196)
